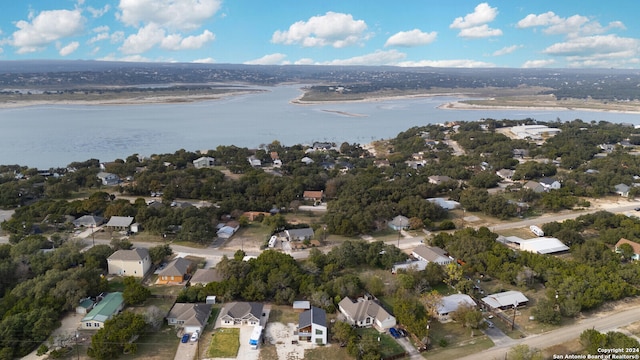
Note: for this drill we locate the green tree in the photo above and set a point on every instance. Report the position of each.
(134, 293)
(159, 253)
(117, 336)
(523, 352)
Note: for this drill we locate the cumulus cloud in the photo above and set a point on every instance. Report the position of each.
(458, 63)
(172, 14)
(271, 59)
(475, 25)
(99, 37)
(151, 35)
(304, 61)
(411, 38)
(69, 49)
(538, 63)
(506, 50)
(45, 28)
(331, 29)
(177, 42)
(482, 14)
(609, 45)
(574, 25)
(478, 32)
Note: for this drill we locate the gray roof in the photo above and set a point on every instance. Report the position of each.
(88, 220)
(177, 267)
(240, 310)
(362, 309)
(120, 221)
(205, 276)
(506, 298)
(400, 221)
(130, 255)
(312, 316)
(432, 253)
(191, 314)
(451, 303)
(300, 233)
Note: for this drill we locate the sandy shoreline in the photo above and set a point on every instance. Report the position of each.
(464, 106)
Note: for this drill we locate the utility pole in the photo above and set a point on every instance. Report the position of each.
(93, 239)
(513, 322)
(77, 348)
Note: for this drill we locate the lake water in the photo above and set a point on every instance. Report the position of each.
(52, 136)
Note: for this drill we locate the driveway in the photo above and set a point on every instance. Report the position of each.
(188, 350)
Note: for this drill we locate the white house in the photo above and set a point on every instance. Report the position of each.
(550, 183)
(135, 262)
(312, 326)
(366, 313)
(241, 313)
(191, 317)
(505, 300)
(108, 179)
(452, 303)
(204, 162)
(431, 254)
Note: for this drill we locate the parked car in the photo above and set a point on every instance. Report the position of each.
(185, 338)
(394, 333)
(194, 336)
(489, 323)
(402, 332)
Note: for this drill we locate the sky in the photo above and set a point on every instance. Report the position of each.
(454, 33)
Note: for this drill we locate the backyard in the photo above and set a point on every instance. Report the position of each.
(225, 343)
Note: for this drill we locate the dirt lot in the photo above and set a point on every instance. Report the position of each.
(281, 335)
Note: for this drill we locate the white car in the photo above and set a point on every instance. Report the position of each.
(194, 336)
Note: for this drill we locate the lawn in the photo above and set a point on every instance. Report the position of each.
(388, 346)
(156, 345)
(224, 343)
(451, 341)
(326, 352)
(283, 314)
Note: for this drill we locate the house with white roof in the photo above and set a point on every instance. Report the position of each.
(505, 300)
(451, 303)
(204, 162)
(431, 254)
(543, 245)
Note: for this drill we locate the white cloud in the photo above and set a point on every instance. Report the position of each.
(117, 37)
(460, 63)
(173, 14)
(100, 29)
(146, 38)
(572, 26)
(46, 28)
(1, 50)
(474, 25)
(96, 13)
(482, 14)
(538, 63)
(478, 32)
(411, 38)
(69, 49)
(176, 42)
(379, 57)
(610, 45)
(99, 37)
(506, 50)
(304, 61)
(205, 61)
(331, 29)
(271, 59)
(132, 58)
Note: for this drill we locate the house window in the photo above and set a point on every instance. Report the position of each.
(88, 324)
(96, 324)
(319, 332)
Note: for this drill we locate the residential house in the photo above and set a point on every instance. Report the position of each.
(634, 245)
(622, 190)
(415, 265)
(307, 160)
(227, 230)
(241, 313)
(431, 254)
(505, 174)
(451, 303)
(550, 183)
(366, 313)
(134, 262)
(85, 306)
(534, 186)
(175, 271)
(88, 221)
(299, 234)
(312, 195)
(204, 162)
(399, 223)
(301, 305)
(543, 245)
(254, 161)
(312, 326)
(108, 179)
(119, 223)
(108, 306)
(205, 276)
(190, 317)
(439, 179)
(504, 300)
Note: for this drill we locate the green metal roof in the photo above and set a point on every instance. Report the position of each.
(105, 308)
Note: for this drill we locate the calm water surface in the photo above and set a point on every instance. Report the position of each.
(50, 136)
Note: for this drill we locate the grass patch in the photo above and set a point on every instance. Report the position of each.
(459, 350)
(283, 314)
(388, 346)
(269, 352)
(156, 345)
(571, 347)
(453, 337)
(326, 352)
(225, 343)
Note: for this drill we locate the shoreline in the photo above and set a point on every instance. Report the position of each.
(464, 106)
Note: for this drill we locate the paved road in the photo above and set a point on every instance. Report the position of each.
(606, 321)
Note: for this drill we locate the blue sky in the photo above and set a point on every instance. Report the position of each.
(454, 33)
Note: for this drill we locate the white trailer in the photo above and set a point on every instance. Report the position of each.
(536, 230)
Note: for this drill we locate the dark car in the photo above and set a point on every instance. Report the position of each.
(185, 338)
(402, 332)
(394, 333)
